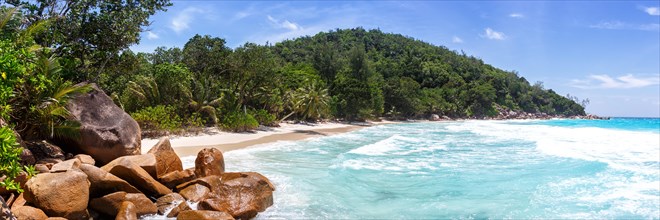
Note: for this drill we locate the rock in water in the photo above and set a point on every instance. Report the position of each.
(166, 159)
(126, 211)
(209, 162)
(242, 195)
(203, 215)
(106, 131)
(62, 194)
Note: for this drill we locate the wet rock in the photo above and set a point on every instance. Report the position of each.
(136, 176)
(203, 215)
(178, 209)
(111, 204)
(168, 201)
(175, 178)
(195, 192)
(243, 195)
(126, 211)
(209, 162)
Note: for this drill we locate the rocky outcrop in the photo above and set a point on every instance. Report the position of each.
(65, 166)
(44, 150)
(178, 209)
(103, 183)
(204, 215)
(106, 131)
(138, 177)
(62, 194)
(127, 211)
(195, 192)
(29, 213)
(168, 202)
(175, 178)
(111, 204)
(209, 162)
(86, 159)
(166, 159)
(242, 195)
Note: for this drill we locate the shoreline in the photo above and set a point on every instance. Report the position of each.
(227, 141)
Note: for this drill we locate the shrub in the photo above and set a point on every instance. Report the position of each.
(9, 160)
(239, 122)
(158, 121)
(264, 118)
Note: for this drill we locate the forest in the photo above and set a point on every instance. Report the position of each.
(344, 74)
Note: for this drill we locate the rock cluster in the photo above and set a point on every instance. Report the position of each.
(129, 187)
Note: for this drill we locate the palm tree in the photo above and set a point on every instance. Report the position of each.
(312, 102)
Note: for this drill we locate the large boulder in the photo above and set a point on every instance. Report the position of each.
(209, 162)
(106, 131)
(242, 195)
(60, 194)
(166, 159)
(138, 177)
(103, 183)
(111, 204)
(203, 215)
(195, 192)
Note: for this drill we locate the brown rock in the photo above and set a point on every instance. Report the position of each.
(146, 161)
(203, 215)
(18, 202)
(195, 192)
(214, 204)
(166, 158)
(111, 203)
(27, 158)
(56, 218)
(126, 211)
(209, 162)
(29, 213)
(211, 182)
(179, 208)
(5, 212)
(43, 150)
(138, 177)
(168, 201)
(103, 183)
(175, 178)
(106, 131)
(86, 159)
(243, 195)
(59, 194)
(49, 162)
(41, 168)
(65, 166)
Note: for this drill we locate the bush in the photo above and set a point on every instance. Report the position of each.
(239, 122)
(9, 160)
(264, 118)
(158, 121)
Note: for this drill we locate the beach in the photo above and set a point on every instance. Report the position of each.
(227, 141)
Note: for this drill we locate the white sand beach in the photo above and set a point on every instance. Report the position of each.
(226, 141)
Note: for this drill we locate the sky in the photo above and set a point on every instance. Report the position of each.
(608, 51)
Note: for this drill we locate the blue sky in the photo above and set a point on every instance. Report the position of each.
(606, 51)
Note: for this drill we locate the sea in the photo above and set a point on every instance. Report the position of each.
(514, 169)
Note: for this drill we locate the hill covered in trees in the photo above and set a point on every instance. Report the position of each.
(351, 74)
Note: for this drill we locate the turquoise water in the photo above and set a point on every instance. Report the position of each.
(466, 170)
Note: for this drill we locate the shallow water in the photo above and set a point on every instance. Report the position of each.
(472, 169)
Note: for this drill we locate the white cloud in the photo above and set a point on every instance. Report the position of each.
(457, 40)
(284, 24)
(181, 21)
(622, 82)
(516, 15)
(655, 11)
(152, 35)
(618, 25)
(494, 35)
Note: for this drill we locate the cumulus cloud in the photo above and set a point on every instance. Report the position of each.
(181, 21)
(618, 25)
(284, 24)
(622, 82)
(457, 40)
(516, 15)
(655, 11)
(152, 35)
(494, 35)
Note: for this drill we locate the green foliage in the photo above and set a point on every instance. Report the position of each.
(158, 120)
(264, 118)
(238, 121)
(10, 167)
(403, 95)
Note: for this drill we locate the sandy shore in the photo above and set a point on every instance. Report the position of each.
(226, 141)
